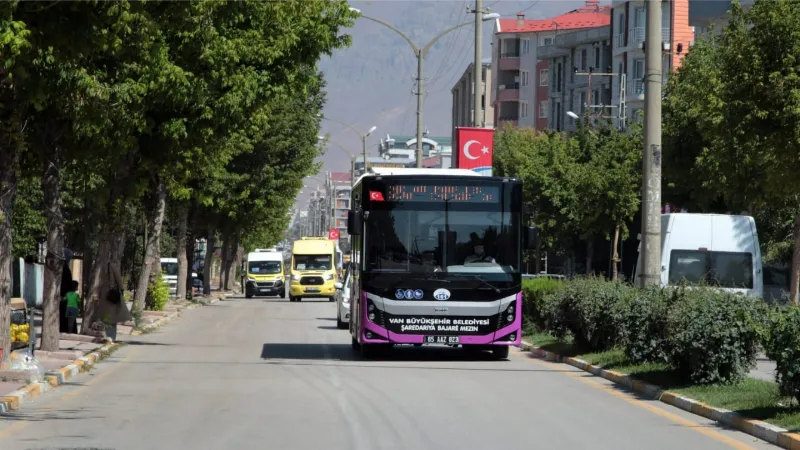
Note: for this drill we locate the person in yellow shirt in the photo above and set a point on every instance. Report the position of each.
(73, 307)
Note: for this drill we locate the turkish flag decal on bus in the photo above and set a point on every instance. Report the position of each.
(375, 196)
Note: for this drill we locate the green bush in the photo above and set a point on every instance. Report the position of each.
(589, 310)
(158, 294)
(783, 346)
(643, 330)
(534, 292)
(714, 336)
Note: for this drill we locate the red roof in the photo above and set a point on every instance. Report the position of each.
(434, 161)
(593, 14)
(340, 177)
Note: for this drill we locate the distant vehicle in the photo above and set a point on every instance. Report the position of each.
(313, 268)
(436, 260)
(713, 249)
(343, 290)
(265, 273)
(169, 269)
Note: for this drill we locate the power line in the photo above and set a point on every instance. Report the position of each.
(449, 51)
(462, 61)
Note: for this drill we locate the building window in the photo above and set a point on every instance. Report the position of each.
(524, 76)
(548, 41)
(597, 59)
(526, 46)
(524, 107)
(584, 59)
(543, 76)
(543, 105)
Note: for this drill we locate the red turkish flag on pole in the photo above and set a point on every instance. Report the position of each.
(474, 149)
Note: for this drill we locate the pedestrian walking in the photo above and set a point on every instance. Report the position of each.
(73, 309)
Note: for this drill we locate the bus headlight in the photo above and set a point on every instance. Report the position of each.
(296, 277)
(371, 317)
(329, 277)
(251, 279)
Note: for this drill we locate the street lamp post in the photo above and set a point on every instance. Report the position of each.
(420, 54)
(362, 136)
(349, 155)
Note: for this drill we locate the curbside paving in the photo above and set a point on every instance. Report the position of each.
(55, 378)
(774, 435)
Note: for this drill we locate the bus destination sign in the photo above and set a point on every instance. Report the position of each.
(440, 193)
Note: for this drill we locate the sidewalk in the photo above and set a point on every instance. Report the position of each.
(74, 348)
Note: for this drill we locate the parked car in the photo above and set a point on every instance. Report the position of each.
(342, 297)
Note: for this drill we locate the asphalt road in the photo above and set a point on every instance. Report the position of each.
(266, 373)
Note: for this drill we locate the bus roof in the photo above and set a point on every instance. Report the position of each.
(313, 247)
(385, 171)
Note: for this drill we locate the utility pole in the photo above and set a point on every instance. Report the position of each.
(651, 185)
(420, 93)
(477, 70)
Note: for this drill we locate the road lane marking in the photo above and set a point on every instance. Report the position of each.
(7, 432)
(590, 379)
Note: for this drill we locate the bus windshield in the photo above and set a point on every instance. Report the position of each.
(478, 242)
(312, 262)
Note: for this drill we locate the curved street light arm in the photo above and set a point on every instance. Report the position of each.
(396, 30)
(344, 124)
(440, 35)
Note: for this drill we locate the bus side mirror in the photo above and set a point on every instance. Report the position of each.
(353, 223)
(529, 238)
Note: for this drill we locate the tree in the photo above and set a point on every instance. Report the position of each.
(732, 111)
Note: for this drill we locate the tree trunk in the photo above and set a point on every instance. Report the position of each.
(537, 256)
(227, 260)
(102, 276)
(208, 263)
(615, 258)
(589, 254)
(234, 262)
(183, 260)
(152, 244)
(9, 158)
(54, 262)
(796, 261)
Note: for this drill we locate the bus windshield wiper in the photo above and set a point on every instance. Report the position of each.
(480, 278)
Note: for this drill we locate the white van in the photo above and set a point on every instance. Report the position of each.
(169, 269)
(265, 272)
(720, 250)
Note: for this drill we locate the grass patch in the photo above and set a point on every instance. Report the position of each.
(755, 399)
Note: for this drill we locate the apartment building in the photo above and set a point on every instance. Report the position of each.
(464, 98)
(337, 193)
(571, 57)
(629, 32)
(521, 79)
(712, 16)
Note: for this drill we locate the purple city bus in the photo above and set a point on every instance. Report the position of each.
(436, 259)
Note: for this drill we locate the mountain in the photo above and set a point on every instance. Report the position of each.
(371, 82)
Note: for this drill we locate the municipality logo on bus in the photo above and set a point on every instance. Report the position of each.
(441, 294)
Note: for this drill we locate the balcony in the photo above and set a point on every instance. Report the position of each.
(619, 40)
(638, 35)
(508, 61)
(513, 120)
(635, 90)
(507, 92)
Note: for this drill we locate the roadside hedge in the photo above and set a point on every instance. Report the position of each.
(534, 291)
(588, 309)
(706, 335)
(783, 346)
(643, 331)
(714, 336)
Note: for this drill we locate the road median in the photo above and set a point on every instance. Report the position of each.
(739, 397)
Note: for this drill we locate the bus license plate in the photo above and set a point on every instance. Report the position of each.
(448, 340)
